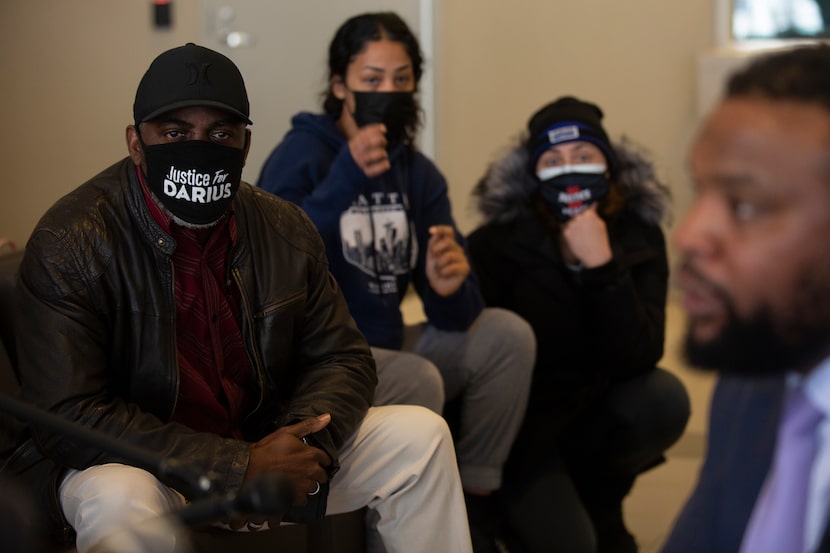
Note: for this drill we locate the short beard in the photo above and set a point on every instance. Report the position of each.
(196, 226)
(761, 346)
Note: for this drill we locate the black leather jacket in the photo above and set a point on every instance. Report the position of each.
(96, 331)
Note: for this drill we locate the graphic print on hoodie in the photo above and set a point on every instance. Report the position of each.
(376, 238)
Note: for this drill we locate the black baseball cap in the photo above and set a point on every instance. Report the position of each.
(190, 75)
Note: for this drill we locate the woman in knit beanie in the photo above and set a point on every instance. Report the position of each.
(571, 240)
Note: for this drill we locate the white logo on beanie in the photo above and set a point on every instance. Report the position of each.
(562, 134)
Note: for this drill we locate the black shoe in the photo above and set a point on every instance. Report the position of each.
(511, 544)
(612, 535)
(484, 542)
(485, 523)
(620, 542)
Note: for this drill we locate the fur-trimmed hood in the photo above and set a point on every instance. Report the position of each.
(504, 192)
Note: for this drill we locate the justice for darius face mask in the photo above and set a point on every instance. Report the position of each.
(571, 189)
(195, 180)
(394, 109)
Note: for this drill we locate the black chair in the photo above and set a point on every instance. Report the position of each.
(342, 533)
(9, 262)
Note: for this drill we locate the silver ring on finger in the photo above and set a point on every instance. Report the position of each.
(255, 526)
(316, 490)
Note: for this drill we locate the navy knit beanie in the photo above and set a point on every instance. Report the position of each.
(568, 119)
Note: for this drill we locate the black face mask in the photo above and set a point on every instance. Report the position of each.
(195, 180)
(396, 110)
(570, 194)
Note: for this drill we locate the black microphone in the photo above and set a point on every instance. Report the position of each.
(170, 471)
(268, 494)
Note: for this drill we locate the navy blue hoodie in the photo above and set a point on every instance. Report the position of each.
(375, 229)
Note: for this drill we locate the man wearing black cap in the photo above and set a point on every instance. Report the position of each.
(571, 241)
(182, 311)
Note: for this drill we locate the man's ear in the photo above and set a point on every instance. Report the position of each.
(134, 146)
(247, 146)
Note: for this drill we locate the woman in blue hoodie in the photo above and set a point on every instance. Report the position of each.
(383, 211)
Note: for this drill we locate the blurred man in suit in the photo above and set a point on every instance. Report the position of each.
(755, 278)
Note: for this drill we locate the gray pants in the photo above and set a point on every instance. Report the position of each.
(487, 369)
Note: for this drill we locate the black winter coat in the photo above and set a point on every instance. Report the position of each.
(594, 326)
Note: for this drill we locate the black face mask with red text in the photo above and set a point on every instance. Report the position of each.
(570, 190)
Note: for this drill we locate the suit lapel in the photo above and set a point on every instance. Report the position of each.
(745, 422)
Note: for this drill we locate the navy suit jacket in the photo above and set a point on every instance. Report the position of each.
(742, 428)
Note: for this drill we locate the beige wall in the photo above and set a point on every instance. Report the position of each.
(500, 61)
(69, 71)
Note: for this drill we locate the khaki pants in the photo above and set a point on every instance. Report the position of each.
(400, 464)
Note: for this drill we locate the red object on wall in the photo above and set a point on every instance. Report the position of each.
(161, 14)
